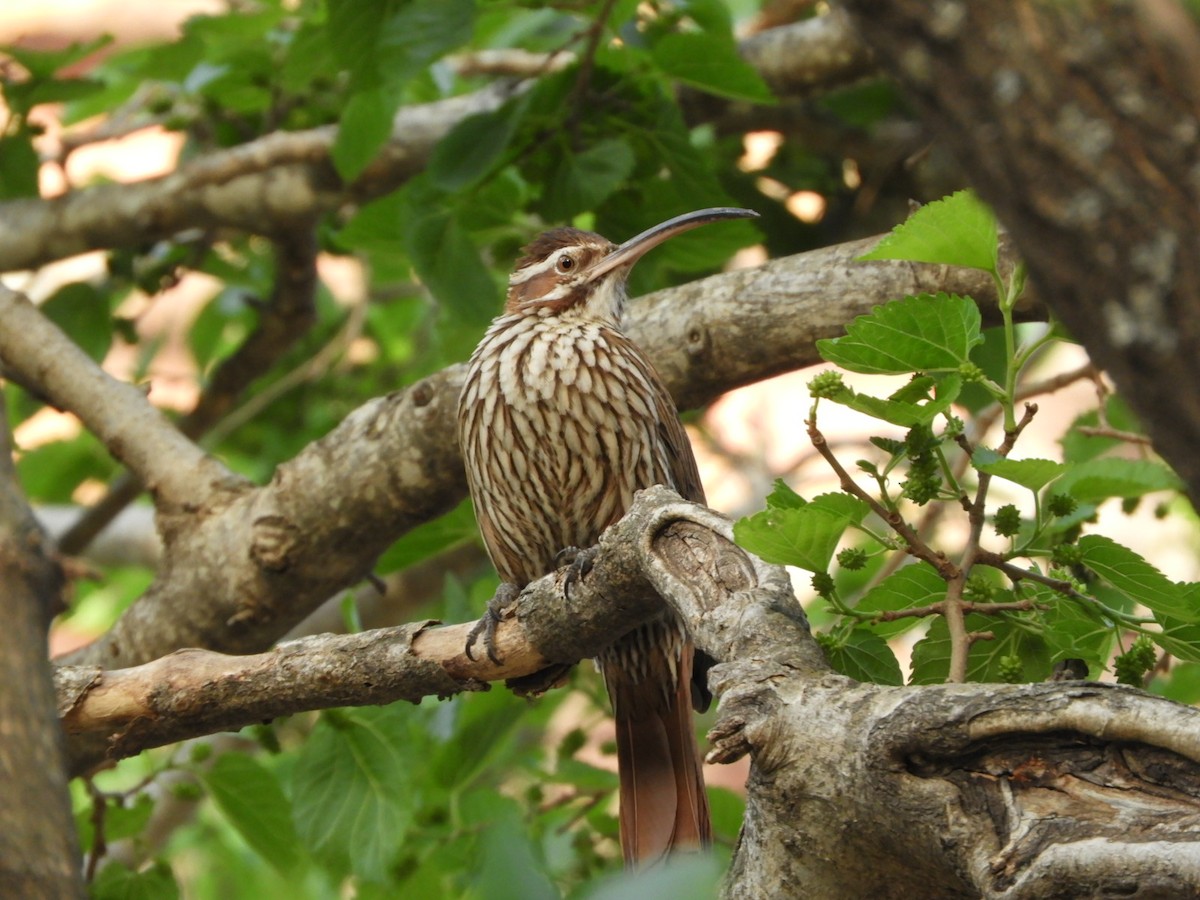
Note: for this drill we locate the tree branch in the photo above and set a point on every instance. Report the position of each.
(284, 180)
(175, 470)
(39, 853)
(117, 713)
(288, 315)
(393, 463)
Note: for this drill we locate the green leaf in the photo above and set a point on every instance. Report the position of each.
(18, 166)
(43, 64)
(351, 790)
(1180, 639)
(1029, 473)
(455, 527)
(1073, 631)
(803, 536)
(474, 146)
(1130, 574)
(509, 870)
(582, 181)
(118, 882)
(1099, 479)
(421, 31)
(692, 875)
(925, 333)
(445, 258)
(1081, 447)
(1182, 684)
(364, 128)
(81, 312)
(711, 64)
(899, 412)
(783, 497)
(917, 584)
(252, 800)
(931, 655)
(865, 656)
(484, 721)
(959, 230)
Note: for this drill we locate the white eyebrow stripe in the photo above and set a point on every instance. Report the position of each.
(520, 276)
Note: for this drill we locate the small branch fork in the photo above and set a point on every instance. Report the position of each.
(954, 608)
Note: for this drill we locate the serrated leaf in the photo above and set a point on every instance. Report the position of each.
(959, 230)
(804, 536)
(1096, 480)
(364, 128)
(923, 333)
(783, 497)
(116, 881)
(865, 656)
(1180, 639)
(898, 412)
(350, 793)
(1034, 474)
(917, 584)
(1074, 632)
(931, 654)
(474, 146)
(252, 800)
(446, 259)
(1141, 582)
(712, 64)
(581, 181)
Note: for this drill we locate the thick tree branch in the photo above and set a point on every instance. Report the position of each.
(117, 713)
(35, 351)
(286, 317)
(1003, 791)
(392, 464)
(39, 855)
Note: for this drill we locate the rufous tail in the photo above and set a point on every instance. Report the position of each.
(664, 806)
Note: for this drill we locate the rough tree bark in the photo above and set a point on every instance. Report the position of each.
(39, 851)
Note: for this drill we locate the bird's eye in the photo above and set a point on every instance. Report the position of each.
(565, 263)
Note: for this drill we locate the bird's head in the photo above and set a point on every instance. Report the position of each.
(567, 271)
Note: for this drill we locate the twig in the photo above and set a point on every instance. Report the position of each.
(1129, 437)
(916, 546)
(967, 606)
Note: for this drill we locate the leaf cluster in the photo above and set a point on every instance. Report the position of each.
(1030, 585)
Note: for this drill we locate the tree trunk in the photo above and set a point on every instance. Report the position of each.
(39, 856)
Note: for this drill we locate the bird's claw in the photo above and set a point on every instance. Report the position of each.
(498, 608)
(579, 563)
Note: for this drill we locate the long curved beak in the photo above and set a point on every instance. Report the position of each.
(634, 248)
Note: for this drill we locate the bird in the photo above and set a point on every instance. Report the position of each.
(561, 419)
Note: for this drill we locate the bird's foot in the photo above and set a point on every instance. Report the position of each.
(578, 562)
(498, 608)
